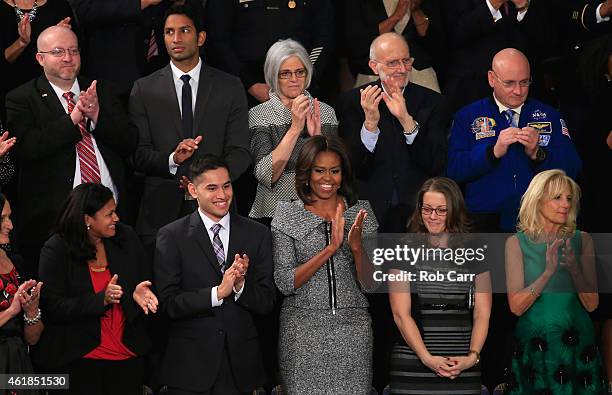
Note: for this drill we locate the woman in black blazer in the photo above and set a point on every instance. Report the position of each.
(96, 291)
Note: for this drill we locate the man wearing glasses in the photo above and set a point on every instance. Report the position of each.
(397, 132)
(499, 143)
(69, 130)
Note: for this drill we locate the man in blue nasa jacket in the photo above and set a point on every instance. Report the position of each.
(499, 143)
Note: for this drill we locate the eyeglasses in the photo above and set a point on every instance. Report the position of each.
(395, 64)
(440, 211)
(286, 74)
(512, 84)
(61, 52)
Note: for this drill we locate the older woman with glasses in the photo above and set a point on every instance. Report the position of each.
(280, 126)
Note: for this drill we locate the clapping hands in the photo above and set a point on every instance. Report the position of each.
(88, 104)
(145, 298)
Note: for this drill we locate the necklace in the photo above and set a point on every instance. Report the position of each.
(20, 14)
(98, 269)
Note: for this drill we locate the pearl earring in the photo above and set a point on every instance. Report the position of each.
(88, 227)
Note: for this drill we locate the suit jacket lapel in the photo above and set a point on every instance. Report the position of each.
(204, 89)
(169, 102)
(236, 240)
(48, 96)
(198, 232)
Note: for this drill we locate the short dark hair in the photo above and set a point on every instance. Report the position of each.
(191, 9)
(303, 169)
(456, 219)
(205, 163)
(85, 199)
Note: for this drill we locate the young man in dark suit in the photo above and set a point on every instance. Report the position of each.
(213, 271)
(185, 110)
(69, 130)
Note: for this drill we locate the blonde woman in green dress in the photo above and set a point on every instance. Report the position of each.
(552, 286)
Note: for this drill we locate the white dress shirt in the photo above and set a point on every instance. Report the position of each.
(224, 233)
(497, 15)
(105, 177)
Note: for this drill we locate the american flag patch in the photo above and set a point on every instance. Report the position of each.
(564, 129)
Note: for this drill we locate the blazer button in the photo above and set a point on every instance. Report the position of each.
(221, 332)
(70, 180)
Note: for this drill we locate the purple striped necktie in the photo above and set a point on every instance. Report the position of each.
(218, 247)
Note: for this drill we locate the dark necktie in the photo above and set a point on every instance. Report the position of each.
(186, 100)
(506, 8)
(218, 246)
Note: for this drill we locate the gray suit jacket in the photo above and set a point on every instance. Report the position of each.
(220, 117)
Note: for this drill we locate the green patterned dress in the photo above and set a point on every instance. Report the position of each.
(555, 348)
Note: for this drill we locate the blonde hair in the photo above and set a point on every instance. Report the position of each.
(544, 186)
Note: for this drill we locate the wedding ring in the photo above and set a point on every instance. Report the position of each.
(91, 105)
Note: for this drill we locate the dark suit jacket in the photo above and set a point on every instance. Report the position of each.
(240, 33)
(474, 39)
(220, 117)
(46, 154)
(186, 270)
(395, 165)
(112, 39)
(71, 309)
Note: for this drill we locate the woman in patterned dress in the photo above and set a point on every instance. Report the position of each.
(443, 324)
(20, 316)
(280, 126)
(325, 342)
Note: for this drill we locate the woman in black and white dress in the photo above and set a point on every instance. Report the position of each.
(443, 324)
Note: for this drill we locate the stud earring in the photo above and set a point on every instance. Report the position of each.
(88, 227)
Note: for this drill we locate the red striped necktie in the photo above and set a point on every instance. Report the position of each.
(90, 171)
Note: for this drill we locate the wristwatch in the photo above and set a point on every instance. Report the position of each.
(414, 129)
(477, 356)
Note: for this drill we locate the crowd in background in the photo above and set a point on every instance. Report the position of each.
(319, 120)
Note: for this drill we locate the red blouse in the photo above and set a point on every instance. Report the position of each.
(111, 325)
(9, 283)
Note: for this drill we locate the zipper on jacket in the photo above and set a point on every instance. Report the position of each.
(331, 273)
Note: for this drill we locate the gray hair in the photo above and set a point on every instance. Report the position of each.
(277, 54)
